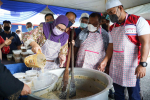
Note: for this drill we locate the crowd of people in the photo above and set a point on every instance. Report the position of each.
(120, 50)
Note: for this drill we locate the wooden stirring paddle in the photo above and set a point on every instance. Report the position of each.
(63, 94)
(72, 88)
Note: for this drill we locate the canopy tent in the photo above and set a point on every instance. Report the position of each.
(142, 10)
(20, 11)
(89, 5)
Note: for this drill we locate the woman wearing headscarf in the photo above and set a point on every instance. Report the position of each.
(52, 40)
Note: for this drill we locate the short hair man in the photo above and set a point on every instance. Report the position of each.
(16, 43)
(71, 17)
(29, 26)
(91, 44)
(49, 18)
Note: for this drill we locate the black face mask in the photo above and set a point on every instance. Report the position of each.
(105, 27)
(6, 28)
(114, 18)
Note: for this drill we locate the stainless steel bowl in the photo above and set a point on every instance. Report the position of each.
(86, 79)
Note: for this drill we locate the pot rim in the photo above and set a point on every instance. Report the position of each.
(109, 86)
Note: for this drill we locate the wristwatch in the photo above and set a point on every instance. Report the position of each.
(144, 64)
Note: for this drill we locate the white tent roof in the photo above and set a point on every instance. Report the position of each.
(142, 10)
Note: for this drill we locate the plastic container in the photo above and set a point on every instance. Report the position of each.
(17, 59)
(16, 53)
(23, 59)
(38, 83)
(47, 78)
(29, 72)
(24, 54)
(9, 57)
(30, 52)
(19, 75)
(23, 49)
(31, 77)
(35, 61)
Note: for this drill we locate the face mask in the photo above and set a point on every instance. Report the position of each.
(51, 22)
(19, 35)
(56, 31)
(83, 25)
(6, 28)
(114, 18)
(29, 29)
(70, 24)
(91, 28)
(105, 27)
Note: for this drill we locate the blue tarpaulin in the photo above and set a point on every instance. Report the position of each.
(62, 10)
(20, 11)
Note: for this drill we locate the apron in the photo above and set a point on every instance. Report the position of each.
(51, 51)
(125, 58)
(91, 52)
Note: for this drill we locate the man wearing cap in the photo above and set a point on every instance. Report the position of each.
(129, 46)
(91, 44)
(83, 23)
(18, 31)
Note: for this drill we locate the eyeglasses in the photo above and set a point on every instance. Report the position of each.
(63, 30)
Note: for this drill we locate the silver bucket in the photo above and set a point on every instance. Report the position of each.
(93, 81)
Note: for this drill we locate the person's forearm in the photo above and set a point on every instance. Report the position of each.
(145, 46)
(144, 52)
(2, 45)
(9, 82)
(33, 43)
(109, 52)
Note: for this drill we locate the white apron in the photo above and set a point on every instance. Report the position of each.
(91, 52)
(51, 51)
(125, 58)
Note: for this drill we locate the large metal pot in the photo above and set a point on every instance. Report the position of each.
(91, 80)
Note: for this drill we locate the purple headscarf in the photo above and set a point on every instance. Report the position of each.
(50, 26)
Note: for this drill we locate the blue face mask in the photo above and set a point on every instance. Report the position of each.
(70, 24)
(29, 29)
(51, 22)
(83, 25)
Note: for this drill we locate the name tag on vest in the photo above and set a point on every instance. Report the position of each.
(130, 30)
